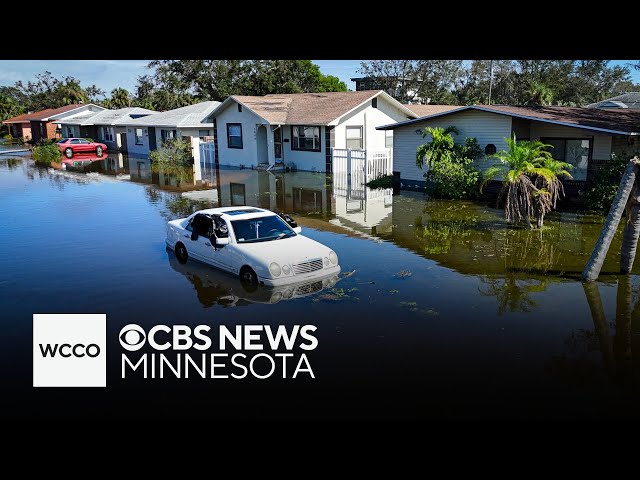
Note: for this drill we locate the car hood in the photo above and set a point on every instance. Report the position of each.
(286, 250)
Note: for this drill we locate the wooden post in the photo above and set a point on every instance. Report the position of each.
(594, 265)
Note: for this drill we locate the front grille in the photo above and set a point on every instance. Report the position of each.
(308, 288)
(306, 267)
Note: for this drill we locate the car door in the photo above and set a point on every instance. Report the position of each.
(201, 247)
(74, 143)
(84, 145)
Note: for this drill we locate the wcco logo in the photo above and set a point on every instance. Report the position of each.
(69, 350)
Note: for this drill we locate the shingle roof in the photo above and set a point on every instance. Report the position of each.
(424, 110)
(626, 100)
(307, 108)
(44, 114)
(618, 121)
(121, 116)
(189, 116)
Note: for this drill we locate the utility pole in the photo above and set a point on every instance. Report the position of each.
(490, 81)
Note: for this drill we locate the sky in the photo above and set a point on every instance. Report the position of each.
(109, 74)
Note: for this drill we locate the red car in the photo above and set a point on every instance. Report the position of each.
(71, 146)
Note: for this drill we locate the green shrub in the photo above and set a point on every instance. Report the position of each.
(606, 181)
(384, 181)
(452, 178)
(173, 158)
(47, 153)
(451, 172)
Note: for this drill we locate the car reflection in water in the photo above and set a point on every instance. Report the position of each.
(214, 287)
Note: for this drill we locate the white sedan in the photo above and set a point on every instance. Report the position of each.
(257, 244)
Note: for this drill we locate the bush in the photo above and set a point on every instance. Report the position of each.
(383, 181)
(46, 153)
(173, 158)
(605, 184)
(452, 178)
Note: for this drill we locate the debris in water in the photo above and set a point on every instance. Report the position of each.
(403, 274)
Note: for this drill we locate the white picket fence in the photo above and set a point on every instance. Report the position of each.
(352, 169)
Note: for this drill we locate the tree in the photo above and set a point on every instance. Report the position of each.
(450, 174)
(120, 98)
(414, 81)
(530, 178)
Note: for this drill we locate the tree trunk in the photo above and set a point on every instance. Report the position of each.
(594, 265)
(630, 238)
(600, 323)
(540, 219)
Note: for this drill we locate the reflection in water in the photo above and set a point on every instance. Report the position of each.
(214, 287)
(617, 352)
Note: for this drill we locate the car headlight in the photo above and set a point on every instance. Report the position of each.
(275, 269)
(286, 269)
(326, 261)
(287, 293)
(333, 257)
(276, 297)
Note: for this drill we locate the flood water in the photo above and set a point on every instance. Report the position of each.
(441, 310)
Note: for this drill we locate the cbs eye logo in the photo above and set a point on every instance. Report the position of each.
(132, 337)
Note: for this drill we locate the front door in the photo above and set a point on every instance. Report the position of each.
(262, 144)
(123, 142)
(152, 138)
(277, 145)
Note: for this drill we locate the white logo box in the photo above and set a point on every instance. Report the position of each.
(79, 342)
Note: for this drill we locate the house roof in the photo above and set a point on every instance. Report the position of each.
(121, 116)
(616, 122)
(626, 100)
(308, 108)
(45, 115)
(425, 110)
(190, 116)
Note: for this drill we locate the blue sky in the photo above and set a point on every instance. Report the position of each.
(109, 74)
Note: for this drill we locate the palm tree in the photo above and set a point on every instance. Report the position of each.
(439, 148)
(120, 98)
(530, 178)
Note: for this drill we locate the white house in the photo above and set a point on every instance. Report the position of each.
(584, 137)
(147, 133)
(107, 126)
(299, 130)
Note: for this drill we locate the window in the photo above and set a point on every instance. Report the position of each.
(74, 141)
(234, 135)
(239, 108)
(138, 136)
(202, 224)
(42, 135)
(354, 137)
(69, 131)
(576, 151)
(83, 141)
(374, 102)
(238, 194)
(168, 134)
(107, 134)
(388, 139)
(490, 149)
(204, 133)
(261, 229)
(305, 138)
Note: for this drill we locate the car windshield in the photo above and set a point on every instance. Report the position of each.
(63, 140)
(261, 229)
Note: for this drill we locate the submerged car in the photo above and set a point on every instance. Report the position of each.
(258, 245)
(71, 146)
(215, 287)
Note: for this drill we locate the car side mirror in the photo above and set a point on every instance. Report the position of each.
(297, 229)
(194, 235)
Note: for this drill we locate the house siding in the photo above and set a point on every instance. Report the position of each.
(620, 145)
(137, 150)
(247, 156)
(369, 118)
(485, 126)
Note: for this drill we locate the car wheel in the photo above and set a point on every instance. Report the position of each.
(248, 276)
(99, 151)
(181, 252)
(68, 152)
